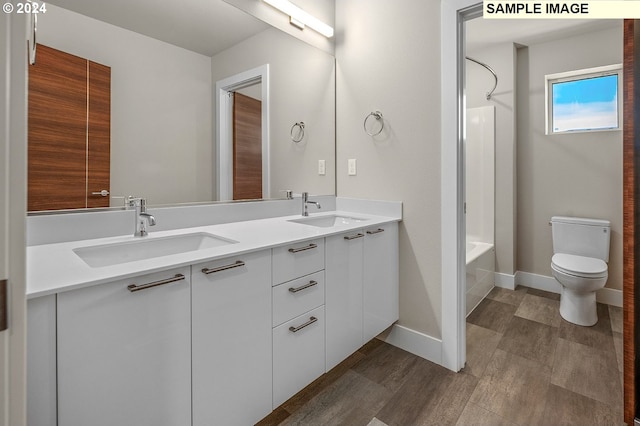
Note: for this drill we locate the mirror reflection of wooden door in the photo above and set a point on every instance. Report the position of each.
(69, 132)
(247, 147)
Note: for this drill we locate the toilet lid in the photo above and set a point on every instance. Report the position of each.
(581, 266)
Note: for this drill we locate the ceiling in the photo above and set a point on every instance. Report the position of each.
(482, 33)
(204, 26)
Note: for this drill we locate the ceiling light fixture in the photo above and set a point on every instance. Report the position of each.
(300, 18)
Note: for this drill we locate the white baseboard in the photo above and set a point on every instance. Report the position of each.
(415, 342)
(539, 282)
(507, 281)
(607, 296)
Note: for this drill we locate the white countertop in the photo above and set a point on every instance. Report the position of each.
(54, 268)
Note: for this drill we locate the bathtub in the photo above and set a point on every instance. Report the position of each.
(480, 272)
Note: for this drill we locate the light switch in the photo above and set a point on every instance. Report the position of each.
(321, 168)
(352, 167)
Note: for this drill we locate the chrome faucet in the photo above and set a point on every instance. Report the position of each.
(141, 216)
(305, 202)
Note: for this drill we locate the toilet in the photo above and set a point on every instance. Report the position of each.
(579, 264)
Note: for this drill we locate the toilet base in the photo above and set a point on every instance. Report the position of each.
(578, 307)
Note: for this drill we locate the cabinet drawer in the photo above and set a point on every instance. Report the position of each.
(298, 357)
(295, 260)
(296, 297)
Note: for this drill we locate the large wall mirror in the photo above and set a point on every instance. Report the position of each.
(165, 60)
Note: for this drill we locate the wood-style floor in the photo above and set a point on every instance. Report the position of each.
(525, 366)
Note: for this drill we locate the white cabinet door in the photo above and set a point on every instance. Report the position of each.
(344, 279)
(41, 361)
(298, 354)
(380, 279)
(232, 358)
(124, 353)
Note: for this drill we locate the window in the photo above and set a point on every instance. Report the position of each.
(584, 101)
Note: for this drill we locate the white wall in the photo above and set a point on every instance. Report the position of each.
(478, 82)
(388, 56)
(161, 117)
(302, 88)
(569, 175)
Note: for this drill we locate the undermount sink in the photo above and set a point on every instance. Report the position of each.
(131, 251)
(328, 221)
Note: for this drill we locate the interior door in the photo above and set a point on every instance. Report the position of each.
(247, 147)
(69, 132)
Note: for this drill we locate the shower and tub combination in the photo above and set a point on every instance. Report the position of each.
(480, 200)
(480, 204)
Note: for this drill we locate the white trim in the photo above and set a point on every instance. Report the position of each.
(608, 296)
(452, 238)
(417, 343)
(507, 281)
(224, 144)
(539, 282)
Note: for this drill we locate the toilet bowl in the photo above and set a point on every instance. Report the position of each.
(579, 264)
(580, 278)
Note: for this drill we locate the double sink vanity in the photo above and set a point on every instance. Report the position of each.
(204, 325)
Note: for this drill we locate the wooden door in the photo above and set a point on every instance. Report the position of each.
(69, 132)
(631, 189)
(247, 147)
(98, 135)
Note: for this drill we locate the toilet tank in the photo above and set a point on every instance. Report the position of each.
(581, 236)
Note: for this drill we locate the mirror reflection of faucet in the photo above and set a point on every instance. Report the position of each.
(306, 202)
(142, 217)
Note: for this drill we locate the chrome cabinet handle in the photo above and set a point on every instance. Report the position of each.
(303, 287)
(377, 231)
(103, 193)
(134, 287)
(297, 250)
(237, 264)
(353, 237)
(300, 327)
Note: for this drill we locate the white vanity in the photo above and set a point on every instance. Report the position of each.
(219, 335)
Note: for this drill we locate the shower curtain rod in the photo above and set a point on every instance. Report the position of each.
(495, 76)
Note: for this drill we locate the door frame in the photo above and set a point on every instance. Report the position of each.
(224, 129)
(13, 213)
(453, 15)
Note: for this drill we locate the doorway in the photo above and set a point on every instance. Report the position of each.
(253, 153)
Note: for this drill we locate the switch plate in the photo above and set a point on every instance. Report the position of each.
(322, 170)
(352, 167)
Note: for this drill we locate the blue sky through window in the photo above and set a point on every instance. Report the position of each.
(586, 104)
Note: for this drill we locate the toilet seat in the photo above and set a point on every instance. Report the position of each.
(579, 266)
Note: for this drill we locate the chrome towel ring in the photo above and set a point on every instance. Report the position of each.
(300, 132)
(378, 116)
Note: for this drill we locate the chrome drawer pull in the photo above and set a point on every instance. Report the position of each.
(377, 231)
(300, 327)
(297, 250)
(302, 287)
(353, 237)
(237, 264)
(134, 287)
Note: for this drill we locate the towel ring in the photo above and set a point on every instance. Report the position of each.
(378, 116)
(299, 125)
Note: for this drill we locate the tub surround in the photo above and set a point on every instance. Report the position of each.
(480, 269)
(54, 267)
